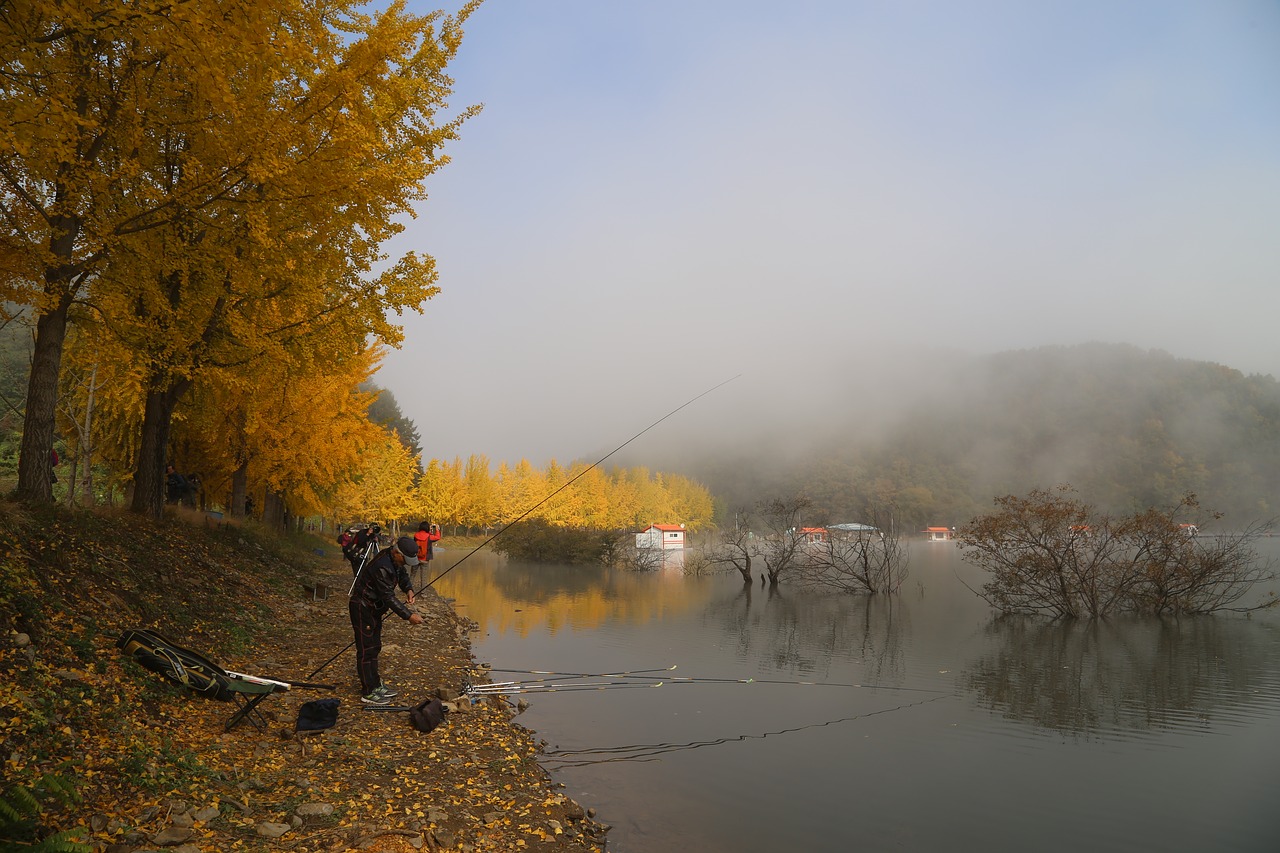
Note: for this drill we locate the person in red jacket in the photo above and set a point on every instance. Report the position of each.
(427, 536)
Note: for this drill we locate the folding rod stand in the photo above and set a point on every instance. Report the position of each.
(248, 691)
(248, 710)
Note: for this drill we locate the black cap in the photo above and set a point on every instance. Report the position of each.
(408, 548)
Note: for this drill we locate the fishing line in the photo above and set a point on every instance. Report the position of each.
(522, 515)
(651, 751)
(575, 478)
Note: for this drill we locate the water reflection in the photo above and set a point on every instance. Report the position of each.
(1088, 678)
(1106, 719)
(522, 598)
(809, 634)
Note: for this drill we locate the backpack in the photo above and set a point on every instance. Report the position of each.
(428, 714)
(317, 714)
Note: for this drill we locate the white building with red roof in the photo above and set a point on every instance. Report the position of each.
(662, 536)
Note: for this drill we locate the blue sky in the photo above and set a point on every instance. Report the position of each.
(660, 195)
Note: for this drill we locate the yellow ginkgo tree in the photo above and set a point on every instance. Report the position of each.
(85, 104)
(241, 203)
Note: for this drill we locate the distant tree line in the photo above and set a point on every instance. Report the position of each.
(364, 442)
(473, 497)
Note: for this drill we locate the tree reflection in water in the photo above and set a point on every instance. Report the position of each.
(805, 633)
(1088, 678)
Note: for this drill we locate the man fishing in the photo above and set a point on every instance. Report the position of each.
(372, 595)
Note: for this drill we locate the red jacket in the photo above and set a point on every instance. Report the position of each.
(425, 542)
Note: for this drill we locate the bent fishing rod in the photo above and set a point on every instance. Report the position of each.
(526, 513)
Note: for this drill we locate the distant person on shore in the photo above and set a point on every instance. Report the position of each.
(346, 539)
(427, 536)
(177, 488)
(372, 595)
(365, 537)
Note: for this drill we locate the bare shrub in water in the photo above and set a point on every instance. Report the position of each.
(1050, 553)
(868, 560)
(733, 548)
(761, 538)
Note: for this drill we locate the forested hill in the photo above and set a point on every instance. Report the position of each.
(1126, 427)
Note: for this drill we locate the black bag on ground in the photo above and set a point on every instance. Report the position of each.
(317, 714)
(426, 715)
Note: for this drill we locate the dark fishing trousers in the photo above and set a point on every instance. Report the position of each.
(366, 620)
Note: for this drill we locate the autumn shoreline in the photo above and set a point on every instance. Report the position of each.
(149, 763)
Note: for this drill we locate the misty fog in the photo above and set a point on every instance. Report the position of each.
(849, 206)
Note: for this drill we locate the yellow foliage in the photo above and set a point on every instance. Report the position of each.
(581, 496)
(214, 182)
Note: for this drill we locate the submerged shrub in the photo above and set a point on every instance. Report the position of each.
(1051, 553)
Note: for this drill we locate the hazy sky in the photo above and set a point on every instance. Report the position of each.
(663, 194)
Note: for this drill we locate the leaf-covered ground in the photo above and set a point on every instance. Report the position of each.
(150, 762)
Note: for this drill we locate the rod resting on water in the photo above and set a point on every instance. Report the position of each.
(525, 514)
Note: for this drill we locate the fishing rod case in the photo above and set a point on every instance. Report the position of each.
(180, 666)
(200, 675)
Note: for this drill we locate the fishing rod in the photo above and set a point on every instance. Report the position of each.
(502, 686)
(512, 688)
(575, 478)
(522, 515)
(473, 692)
(628, 674)
(678, 679)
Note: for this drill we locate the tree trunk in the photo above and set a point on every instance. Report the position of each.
(148, 478)
(87, 443)
(239, 486)
(35, 474)
(73, 480)
(273, 512)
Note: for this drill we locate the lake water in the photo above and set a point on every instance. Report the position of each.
(965, 733)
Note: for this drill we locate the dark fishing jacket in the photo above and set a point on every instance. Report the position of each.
(376, 585)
